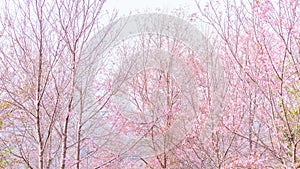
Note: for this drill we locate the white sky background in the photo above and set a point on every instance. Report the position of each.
(124, 7)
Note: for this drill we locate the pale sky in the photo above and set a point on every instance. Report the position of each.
(125, 6)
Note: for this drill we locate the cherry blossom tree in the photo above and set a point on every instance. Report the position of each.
(41, 45)
(167, 89)
(258, 42)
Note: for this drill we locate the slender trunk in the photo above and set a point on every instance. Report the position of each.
(39, 134)
(38, 128)
(38, 119)
(49, 153)
(78, 141)
(295, 156)
(40, 142)
(40, 146)
(78, 134)
(250, 125)
(65, 128)
(38, 99)
(64, 143)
